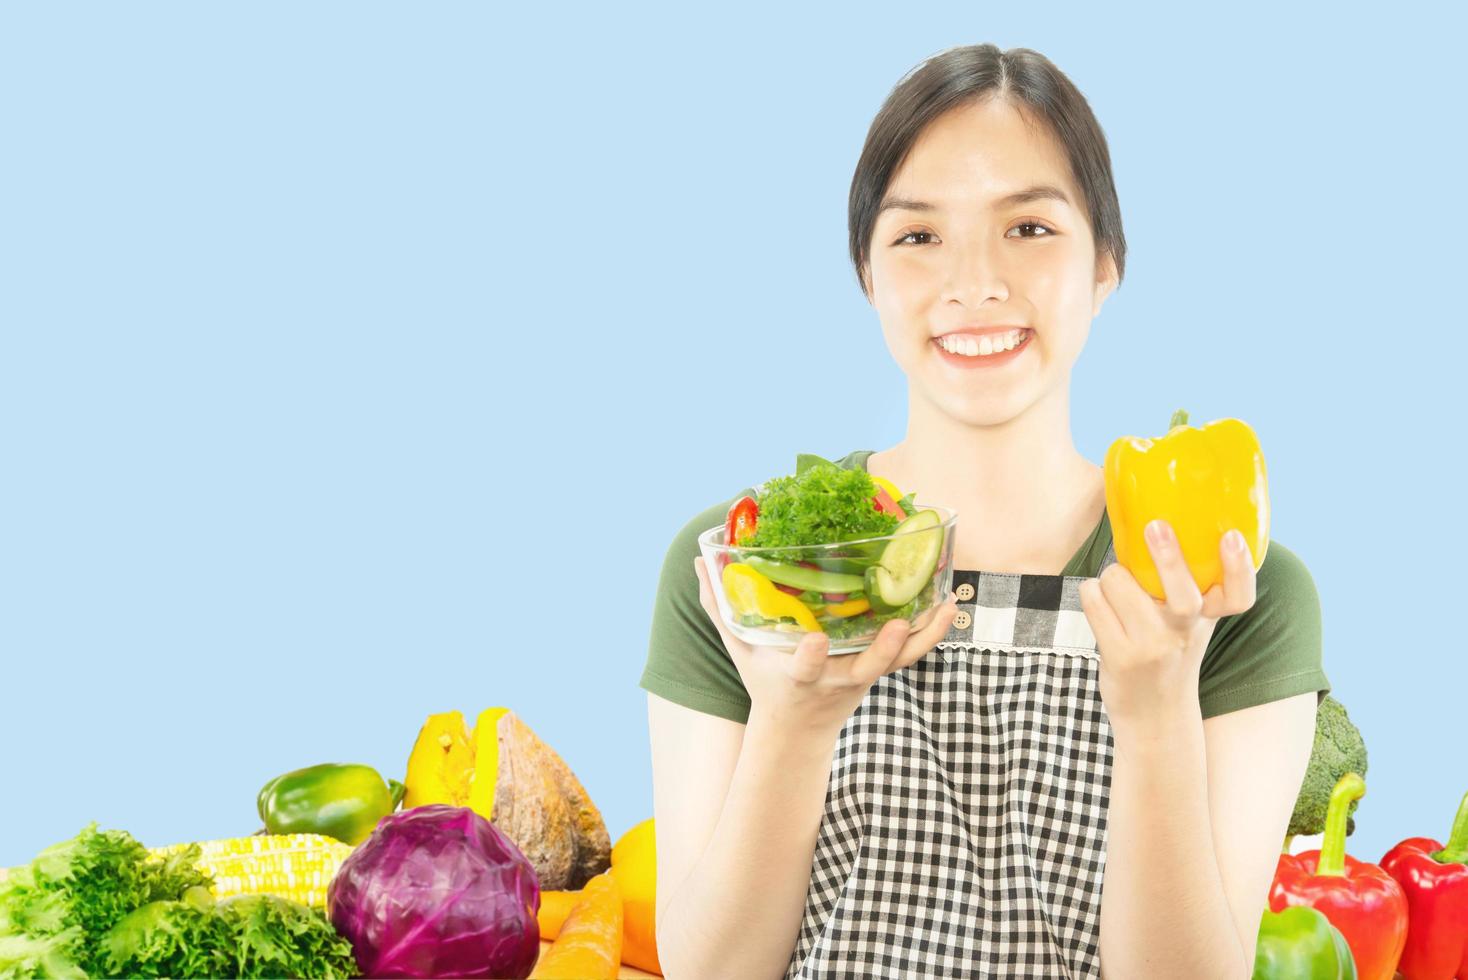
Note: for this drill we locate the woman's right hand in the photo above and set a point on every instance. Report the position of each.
(808, 688)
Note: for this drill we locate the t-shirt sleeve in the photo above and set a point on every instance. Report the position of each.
(686, 659)
(1272, 650)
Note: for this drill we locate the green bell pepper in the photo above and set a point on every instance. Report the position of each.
(341, 801)
(1299, 943)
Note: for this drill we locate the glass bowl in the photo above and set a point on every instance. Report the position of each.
(846, 589)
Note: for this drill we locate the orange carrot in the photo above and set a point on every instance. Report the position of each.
(554, 907)
(639, 939)
(639, 942)
(589, 946)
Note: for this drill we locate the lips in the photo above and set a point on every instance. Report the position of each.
(977, 360)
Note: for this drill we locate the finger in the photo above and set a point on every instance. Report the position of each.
(920, 644)
(705, 589)
(1240, 581)
(1183, 602)
(710, 604)
(871, 663)
(1109, 632)
(810, 658)
(1215, 604)
(1133, 607)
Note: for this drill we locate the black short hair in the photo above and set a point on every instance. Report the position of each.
(971, 74)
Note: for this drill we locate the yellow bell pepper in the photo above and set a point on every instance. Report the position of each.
(1203, 481)
(750, 592)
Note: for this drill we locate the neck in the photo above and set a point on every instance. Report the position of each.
(1023, 492)
(1006, 469)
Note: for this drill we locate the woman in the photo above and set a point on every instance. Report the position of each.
(944, 804)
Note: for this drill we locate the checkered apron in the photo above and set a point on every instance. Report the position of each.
(964, 830)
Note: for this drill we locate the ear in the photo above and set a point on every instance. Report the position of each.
(1106, 281)
(866, 284)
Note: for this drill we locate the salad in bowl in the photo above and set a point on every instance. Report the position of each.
(831, 550)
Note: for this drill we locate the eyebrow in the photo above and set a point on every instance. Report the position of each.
(1039, 192)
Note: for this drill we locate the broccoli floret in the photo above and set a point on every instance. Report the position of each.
(1338, 749)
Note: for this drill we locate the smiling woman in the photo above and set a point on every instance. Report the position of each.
(972, 238)
(952, 803)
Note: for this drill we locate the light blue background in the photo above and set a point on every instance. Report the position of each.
(360, 360)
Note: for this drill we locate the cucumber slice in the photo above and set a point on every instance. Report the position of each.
(800, 577)
(874, 593)
(908, 561)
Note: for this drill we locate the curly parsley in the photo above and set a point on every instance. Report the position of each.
(821, 504)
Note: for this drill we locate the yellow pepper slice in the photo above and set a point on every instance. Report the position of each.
(750, 592)
(851, 607)
(889, 486)
(1203, 481)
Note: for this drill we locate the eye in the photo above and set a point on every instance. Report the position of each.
(904, 239)
(1034, 224)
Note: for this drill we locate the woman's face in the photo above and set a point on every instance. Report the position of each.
(952, 258)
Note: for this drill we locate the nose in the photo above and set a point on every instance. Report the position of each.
(975, 274)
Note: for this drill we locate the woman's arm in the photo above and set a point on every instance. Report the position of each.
(738, 808)
(1198, 811)
(1257, 759)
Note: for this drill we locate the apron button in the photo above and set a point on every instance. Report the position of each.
(962, 621)
(965, 592)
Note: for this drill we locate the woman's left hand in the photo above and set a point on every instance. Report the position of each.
(1152, 649)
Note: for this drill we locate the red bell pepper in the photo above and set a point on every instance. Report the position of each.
(887, 498)
(740, 523)
(1361, 900)
(1435, 880)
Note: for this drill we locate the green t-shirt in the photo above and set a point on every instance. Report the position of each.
(1270, 651)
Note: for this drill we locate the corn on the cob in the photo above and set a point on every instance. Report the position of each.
(294, 866)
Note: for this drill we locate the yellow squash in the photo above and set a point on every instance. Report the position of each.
(503, 771)
(450, 764)
(1203, 481)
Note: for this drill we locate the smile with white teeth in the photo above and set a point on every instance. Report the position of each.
(983, 346)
